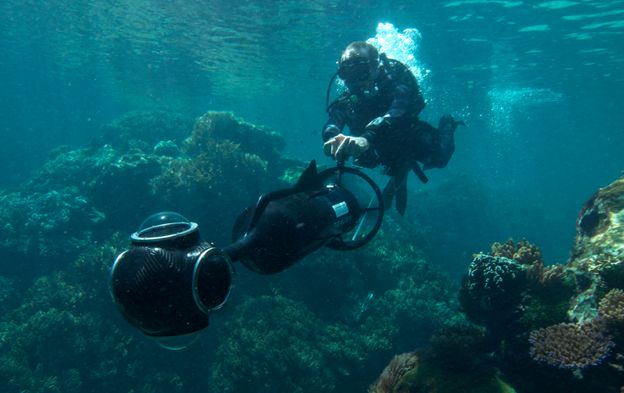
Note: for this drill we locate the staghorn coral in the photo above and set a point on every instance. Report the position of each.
(611, 307)
(571, 346)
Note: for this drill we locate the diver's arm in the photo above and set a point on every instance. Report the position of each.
(406, 104)
(406, 100)
(336, 122)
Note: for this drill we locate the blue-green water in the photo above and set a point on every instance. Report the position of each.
(540, 85)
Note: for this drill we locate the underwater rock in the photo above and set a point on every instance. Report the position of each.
(144, 161)
(251, 138)
(144, 129)
(569, 314)
(599, 244)
(280, 347)
(65, 336)
(597, 256)
(167, 148)
(374, 302)
(414, 373)
(44, 228)
(390, 378)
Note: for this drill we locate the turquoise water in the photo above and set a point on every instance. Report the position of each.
(540, 85)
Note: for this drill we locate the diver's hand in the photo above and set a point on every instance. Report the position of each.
(342, 147)
(378, 123)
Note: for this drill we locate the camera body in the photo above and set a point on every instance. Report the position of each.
(168, 281)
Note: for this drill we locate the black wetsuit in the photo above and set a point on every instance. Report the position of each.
(403, 139)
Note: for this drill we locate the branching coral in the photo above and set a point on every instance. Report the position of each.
(524, 252)
(612, 306)
(571, 346)
(506, 249)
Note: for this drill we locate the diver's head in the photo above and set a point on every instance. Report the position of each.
(358, 66)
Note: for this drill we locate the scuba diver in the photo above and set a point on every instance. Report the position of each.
(169, 281)
(380, 106)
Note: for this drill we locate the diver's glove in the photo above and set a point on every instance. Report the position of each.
(342, 146)
(378, 122)
(448, 125)
(376, 126)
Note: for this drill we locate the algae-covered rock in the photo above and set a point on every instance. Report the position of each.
(144, 130)
(414, 373)
(144, 162)
(564, 334)
(253, 139)
(352, 311)
(60, 233)
(273, 344)
(599, 243)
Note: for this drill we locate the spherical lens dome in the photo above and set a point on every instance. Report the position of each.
(163, 226)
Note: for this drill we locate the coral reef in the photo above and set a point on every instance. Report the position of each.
(571, 346)
(491, 292)
(554, 328)
(523, 252)
(60, 332)
(390, 378)
(611, 307)
(410, 373)
(461, 346)
(283, 348)
(600, 230)
(375, 302)
(64, 336)
(546, 328)
(142, 162)
(144, 130)
(60, 234)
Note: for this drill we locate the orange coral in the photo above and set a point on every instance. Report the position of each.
(506, 249)
(524, 252)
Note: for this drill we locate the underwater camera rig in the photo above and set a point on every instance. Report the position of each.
(169, 281)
